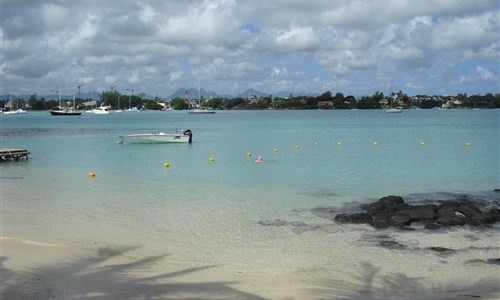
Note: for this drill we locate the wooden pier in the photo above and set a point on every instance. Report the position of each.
(13, 154)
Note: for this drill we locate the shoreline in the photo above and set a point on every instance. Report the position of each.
(42, 271)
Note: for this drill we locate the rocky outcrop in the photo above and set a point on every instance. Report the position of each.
(393, 211)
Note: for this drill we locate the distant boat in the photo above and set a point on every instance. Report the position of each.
(200, 110)
(158, 138)
(19, 110)
(394, 110)
(15, 112)
(392, 99)
(65, 112)
(102, 110)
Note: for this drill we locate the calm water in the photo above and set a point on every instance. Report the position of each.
(216, 206)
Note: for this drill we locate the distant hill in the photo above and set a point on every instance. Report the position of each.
(251, 92)
(93, 95)
(192, 94)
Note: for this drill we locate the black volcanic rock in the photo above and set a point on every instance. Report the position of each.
(393, 211)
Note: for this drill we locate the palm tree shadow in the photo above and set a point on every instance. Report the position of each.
(369, 284)
(97, 276)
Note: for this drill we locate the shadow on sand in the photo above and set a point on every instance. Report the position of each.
(96, 276)
(370, 284)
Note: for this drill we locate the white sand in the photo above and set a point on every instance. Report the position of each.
(35, 271)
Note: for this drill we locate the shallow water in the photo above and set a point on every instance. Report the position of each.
(209, 212)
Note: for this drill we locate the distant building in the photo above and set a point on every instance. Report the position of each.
(325, 103)
(252, 98)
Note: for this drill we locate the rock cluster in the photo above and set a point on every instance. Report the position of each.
(393, 211)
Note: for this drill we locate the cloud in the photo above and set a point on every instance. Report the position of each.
(231, 45)
(486, 74)
(470, 32)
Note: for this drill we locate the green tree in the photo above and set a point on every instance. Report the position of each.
(495, 101)
(178, 103)
(215, 103)
(110, 98)
(368, 103)
(426, 104)
(230, 103)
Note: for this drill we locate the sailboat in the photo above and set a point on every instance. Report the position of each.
(65, 111)
(199, 109)
(14, 112)
(392, 99)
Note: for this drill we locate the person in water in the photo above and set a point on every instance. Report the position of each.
(259, 159)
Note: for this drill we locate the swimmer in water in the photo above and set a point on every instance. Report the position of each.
(259, 159)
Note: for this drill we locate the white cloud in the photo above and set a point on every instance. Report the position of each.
(175, 76)
(471, 32)
(485, 74)
(232, 44)
(297, 39)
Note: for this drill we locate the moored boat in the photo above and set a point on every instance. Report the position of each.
(15, 112)
(394, 110)
(65, 112)
(102, 110)
(158, 137)
(201, 111)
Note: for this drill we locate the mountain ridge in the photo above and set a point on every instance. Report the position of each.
(192, 93)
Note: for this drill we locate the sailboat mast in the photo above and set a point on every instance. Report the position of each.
(59, 95)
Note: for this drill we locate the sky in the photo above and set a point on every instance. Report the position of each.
(354, 47)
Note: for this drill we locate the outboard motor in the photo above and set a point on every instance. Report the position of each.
(188, 132)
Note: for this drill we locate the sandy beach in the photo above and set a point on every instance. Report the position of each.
(37, 271)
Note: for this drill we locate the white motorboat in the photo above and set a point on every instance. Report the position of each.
(102, 110)
(11, 111)
(158, 137)
(15, 112)
(394, 110)
(201, 111)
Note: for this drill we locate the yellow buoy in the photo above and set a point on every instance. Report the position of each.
(375, 143)
(422, 143)
(166, 165)
(211, 159)
(467, 144)
(91, 174)
(339, 143)
(249, 154)
(296, 147)
(275, 150)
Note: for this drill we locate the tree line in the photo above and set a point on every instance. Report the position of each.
(327, 100)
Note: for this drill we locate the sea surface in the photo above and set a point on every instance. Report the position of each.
(232, 210)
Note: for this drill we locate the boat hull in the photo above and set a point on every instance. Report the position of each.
(156, 138)
(15, 112)
(201, 111)
(393, 110)
(65, 113)
(100, 112)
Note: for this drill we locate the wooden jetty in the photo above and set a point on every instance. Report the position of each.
(13, 154)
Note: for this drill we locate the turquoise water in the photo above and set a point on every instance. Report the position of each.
(197, 204)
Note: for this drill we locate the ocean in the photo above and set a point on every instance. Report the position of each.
(232, 210)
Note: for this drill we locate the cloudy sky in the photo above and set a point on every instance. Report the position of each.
(355, 47)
